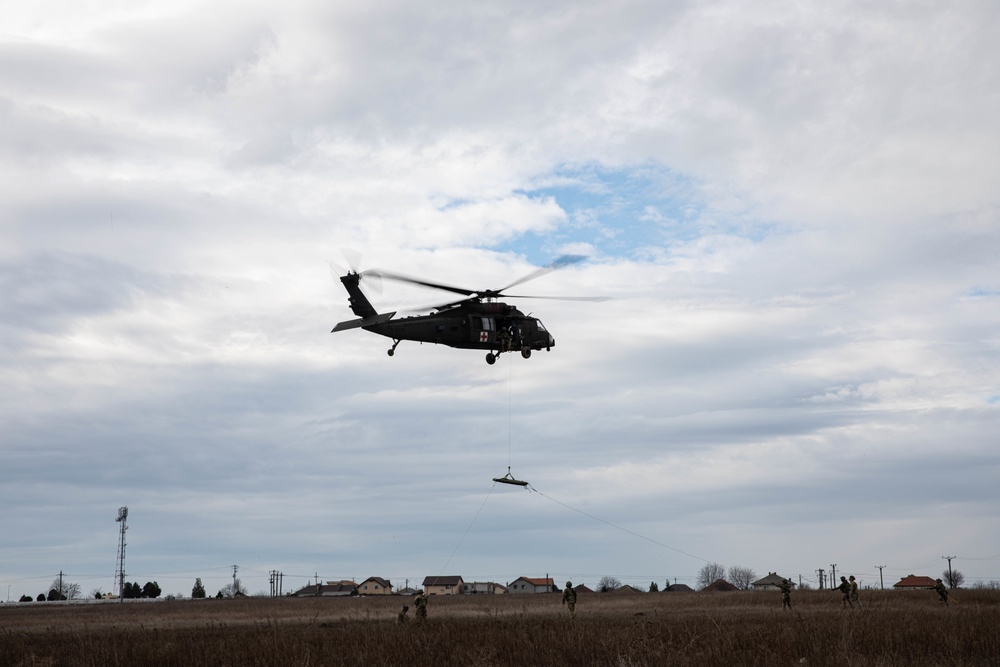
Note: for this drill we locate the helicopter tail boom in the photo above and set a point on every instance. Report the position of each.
(362, 307)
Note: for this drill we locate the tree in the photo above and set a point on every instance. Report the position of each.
(132, 590)
(653, 588)
(41, 597)
(741, 577)
(709, 573)
(233, 590)
(954, 578)
(151, 590)
(55, 595)
(27, 598)
(66, 589)
(198, 592)
(608, 583)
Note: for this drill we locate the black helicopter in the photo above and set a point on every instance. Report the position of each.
(476, 322)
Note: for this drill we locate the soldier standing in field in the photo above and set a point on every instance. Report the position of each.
(786, 594)
(845, 591)
(569, 599)
(941, 591)
(420, 602)
(401, 617)
(854, 591)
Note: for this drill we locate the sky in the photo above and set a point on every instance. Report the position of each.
(792, 207)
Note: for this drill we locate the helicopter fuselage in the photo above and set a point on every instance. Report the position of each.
(473, 326)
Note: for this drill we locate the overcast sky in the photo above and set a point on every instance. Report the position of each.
(794, 208)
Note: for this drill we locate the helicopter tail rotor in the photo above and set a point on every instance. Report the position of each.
(372, 278)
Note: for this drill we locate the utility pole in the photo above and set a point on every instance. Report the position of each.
(880, 585)
(820, 573)
(61, 594)
(235, 585)
(833, 574)
(950, 579)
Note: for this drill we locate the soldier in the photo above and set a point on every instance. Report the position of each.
(786, 594)
(854, 590)
(941, 591)
(845, 591)
(421, 604)
(401, 617)
(569, 599)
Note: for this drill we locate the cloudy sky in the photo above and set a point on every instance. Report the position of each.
(793, 208)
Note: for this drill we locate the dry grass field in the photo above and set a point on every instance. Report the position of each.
(891, 628)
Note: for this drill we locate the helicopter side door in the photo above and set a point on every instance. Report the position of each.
(483, 330)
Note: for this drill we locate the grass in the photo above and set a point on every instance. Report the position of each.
(891, 628)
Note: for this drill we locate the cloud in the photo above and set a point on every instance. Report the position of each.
(792, 208)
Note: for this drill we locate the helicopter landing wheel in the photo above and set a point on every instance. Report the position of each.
(392, 350)
(491, 358)
(526, 352)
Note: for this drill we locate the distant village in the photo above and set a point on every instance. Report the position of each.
(456, 585)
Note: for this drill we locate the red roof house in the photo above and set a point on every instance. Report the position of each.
(914, 582)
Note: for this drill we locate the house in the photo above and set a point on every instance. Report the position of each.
(771, 582)
(329, 589)
(484, 588)
(444, 585)
(678, 588)
(720, 586)
(913, 582)
(408, 591)
(625, 589)
(582, 588)
(375, 586)
(531, 585)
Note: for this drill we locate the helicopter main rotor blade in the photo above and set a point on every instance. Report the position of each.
(559, 298)
(557, 263)
(426, 283)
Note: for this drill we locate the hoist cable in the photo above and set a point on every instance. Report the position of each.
(626, 530)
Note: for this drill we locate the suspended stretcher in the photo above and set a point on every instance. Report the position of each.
(509, 479)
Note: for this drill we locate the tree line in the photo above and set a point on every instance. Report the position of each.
(65, 590)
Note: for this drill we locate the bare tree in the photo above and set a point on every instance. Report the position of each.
(954, 579)
(608, 583)
(741, 577)
(709, 573)
(232, 591)
(68, 591)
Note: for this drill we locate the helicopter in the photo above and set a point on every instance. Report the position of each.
(477, 322)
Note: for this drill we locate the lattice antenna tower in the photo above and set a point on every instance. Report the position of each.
(120, 565)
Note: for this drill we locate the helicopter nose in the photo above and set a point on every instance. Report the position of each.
(552, 341)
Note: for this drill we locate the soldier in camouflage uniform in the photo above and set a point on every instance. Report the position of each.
(854, 590)
(569, 599)
(401, 617)
(941, 591)
(421, 604)
(845, 591)
(786, 594)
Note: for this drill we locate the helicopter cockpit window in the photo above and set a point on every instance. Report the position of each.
(541, 327)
